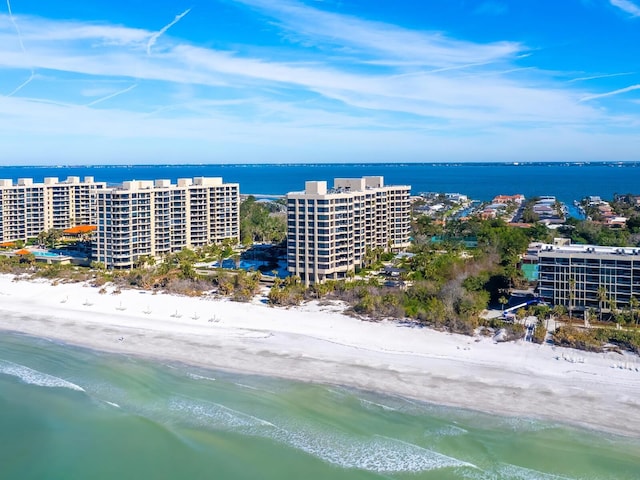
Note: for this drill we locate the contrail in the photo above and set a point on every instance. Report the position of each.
(595, 77)
(16, 26)
(155, 36)
(22, 85)
(609, 94)
(31, 77)
(111, 95)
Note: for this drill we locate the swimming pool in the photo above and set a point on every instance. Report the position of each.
(40, 253)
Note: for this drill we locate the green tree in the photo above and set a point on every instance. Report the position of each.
(503, 301)
(259, 224)
(50, 238)
(539, 232)
(558, 311)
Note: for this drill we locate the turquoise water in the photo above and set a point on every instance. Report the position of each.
(39, 253)
(70, 413)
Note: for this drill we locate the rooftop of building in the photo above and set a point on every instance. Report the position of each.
(166, 184)
(49, 181)
(565, 246)
(347, 186)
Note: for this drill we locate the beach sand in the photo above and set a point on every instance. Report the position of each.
(317, 343)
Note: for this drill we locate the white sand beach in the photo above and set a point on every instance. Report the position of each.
(319, 344)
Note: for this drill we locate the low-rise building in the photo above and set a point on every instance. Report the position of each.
(587, 276)
(518, 199)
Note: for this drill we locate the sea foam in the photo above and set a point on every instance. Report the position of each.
(516, 472)
(218, 416)
(377, 454)
(34, 377)
(200, 377)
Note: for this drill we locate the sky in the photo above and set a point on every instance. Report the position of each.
(296, 81)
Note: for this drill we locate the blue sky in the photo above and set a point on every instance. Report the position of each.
(251, 81)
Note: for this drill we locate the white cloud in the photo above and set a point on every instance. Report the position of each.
(381, 40)
(627, 6)
(439, 93)
(397, 92)
(36, 29)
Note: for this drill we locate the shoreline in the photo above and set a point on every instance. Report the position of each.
(316, 343)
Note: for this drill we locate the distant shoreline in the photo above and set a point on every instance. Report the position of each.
(328, 164)
(319, 344)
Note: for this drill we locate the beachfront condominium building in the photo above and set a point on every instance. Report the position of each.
(581, 277)
(330, 231)
(154, 218)
(28, 208)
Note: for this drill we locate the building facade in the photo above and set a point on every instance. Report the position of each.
(330, 231)
(582, 277)
(154, 218)
(28, 208)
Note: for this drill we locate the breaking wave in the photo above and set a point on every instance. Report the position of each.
(34, 377)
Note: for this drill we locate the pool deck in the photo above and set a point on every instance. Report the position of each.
(46, 256)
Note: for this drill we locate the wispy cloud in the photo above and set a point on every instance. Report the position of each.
(378, 40)
(440, 94)
(154, 38)
(597, 77)
(627, 6)
(609, 94)
(353, 84)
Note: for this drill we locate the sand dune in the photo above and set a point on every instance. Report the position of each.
(317, 343)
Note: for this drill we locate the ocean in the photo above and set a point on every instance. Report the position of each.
(566, 181)
(72, 413)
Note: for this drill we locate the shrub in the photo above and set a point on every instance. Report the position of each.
(626, 339)
(539, 333)
(569, 336)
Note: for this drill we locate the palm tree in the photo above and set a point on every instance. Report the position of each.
(503, 301)
(572, 295)
(633, 306)
(544, 311)
(602, 300)
(557, 311)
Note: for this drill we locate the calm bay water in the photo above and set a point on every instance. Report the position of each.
(480, 181)
(72, 413)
